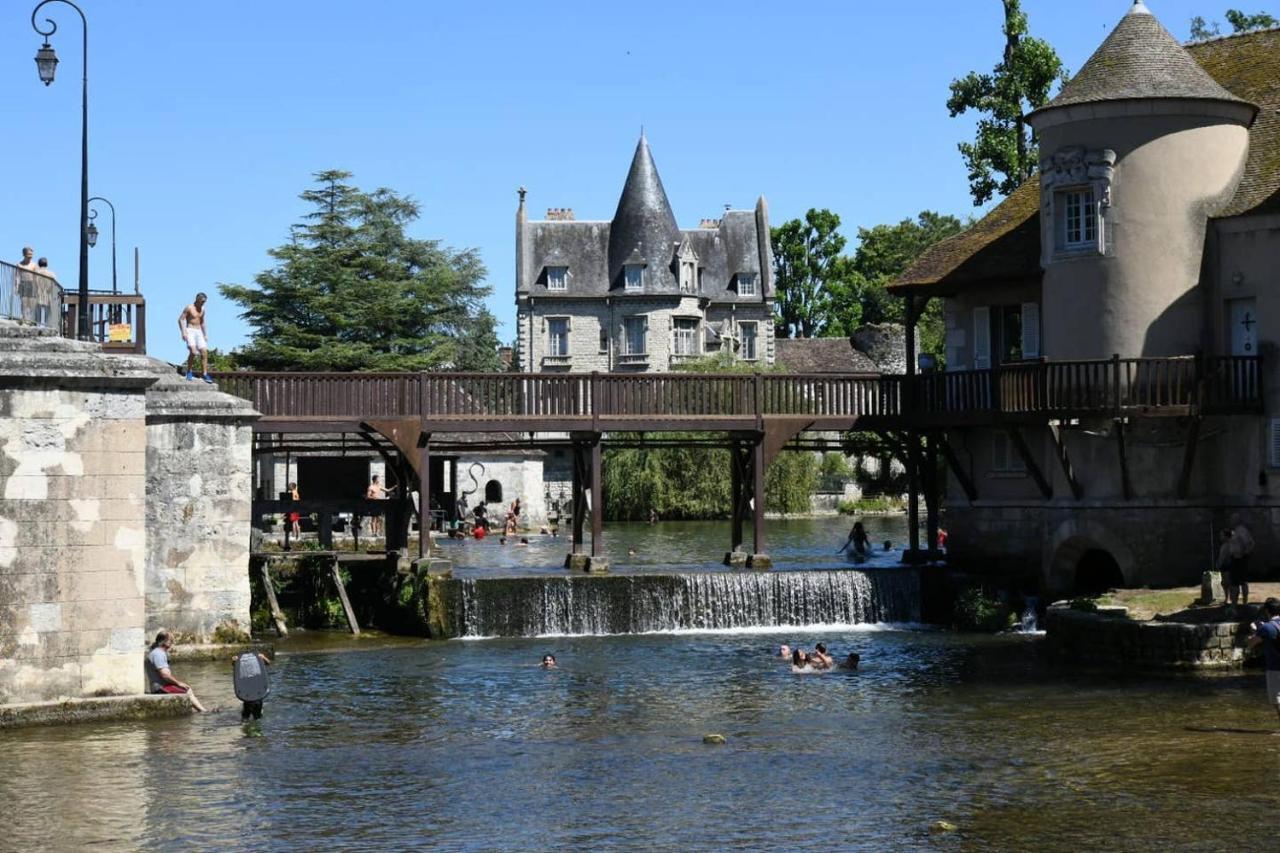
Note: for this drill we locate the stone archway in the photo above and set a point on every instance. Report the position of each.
(1103, 553)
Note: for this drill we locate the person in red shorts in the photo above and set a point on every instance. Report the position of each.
(159, 677)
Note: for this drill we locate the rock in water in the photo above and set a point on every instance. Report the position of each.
(715, 739)
(943, 826)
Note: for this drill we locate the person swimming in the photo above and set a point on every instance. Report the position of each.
(784, 651)
(800, 661)
(851, 661)
(888, 546)
(820, 659)
(858, 539)
(548, 661)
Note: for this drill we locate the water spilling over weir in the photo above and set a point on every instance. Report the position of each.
(632, 604)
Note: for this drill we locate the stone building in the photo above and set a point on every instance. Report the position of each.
(1152, 231)
(636, 293)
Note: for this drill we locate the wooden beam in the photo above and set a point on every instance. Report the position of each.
(1020, 444)
(1189, 457)
(953, 462)
(1125, 484)
(277, 615)
(346, 602)
(1060, 449)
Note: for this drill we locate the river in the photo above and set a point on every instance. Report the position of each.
(380, 744)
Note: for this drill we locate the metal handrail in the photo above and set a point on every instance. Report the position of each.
(30, 296)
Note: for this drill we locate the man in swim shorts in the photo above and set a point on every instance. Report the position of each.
(195, 336)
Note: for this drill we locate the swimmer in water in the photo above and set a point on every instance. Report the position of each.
(784, 651)
(524, 542)
(858, 539)
(631, 552)
(888, 546)
(800, 662)
(851, 662)
(820, 659)
(548, 661)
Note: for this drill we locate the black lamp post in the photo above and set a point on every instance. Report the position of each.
(93, 237)
(46, 65)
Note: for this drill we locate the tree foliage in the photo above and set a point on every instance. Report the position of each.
(1240, 22)
(351, 291)
(1004, 153)
(808, 266)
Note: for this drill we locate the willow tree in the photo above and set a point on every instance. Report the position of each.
(352, 291)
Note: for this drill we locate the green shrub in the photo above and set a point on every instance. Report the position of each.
(1087, 605)
(880, 503)
(976, 611)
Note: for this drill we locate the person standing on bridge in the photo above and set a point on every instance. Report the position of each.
(195, 335)
(376, 492)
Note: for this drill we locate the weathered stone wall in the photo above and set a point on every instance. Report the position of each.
(883, 343)
(520, 476)
(199, 499)
(1097, 638)
(72, 535)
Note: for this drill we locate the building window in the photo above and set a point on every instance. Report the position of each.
(688, 277)
(493, 492)
(1005, 458)
(1077, 220)
(557, 278)
(604, 340)
(685, 330)
(748, 332)
(634, 277)
(700, 272)
(558, 336)
(746, 284)
(633, 335)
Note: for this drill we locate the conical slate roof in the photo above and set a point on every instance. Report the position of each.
(1140, 59)
(643, 226)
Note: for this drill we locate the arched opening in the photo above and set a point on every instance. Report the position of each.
(493, 492)
(1096, 572)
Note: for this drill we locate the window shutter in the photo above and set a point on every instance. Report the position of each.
(1275, 443)
(1031, 330)
(982, 338)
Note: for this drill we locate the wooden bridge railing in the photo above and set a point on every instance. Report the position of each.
(1103, 387)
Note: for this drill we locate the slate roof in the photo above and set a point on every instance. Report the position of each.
(1140, 59)
(821, 355)
(1004, 246)
(644, 229)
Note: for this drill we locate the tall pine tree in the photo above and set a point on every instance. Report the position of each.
(352, 291)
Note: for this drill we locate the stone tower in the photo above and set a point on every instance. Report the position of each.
(1137, 151)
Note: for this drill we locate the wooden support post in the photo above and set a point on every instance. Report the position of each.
(277, 615)
(342, 594)
(1033, 467)
(913, 492)
(1125, 484)
(597, 499)
(933, 494)
(1060, 450)
(953, 461)
(579, 495)
(736, 499)
(1189, 457)
(424, 495)
(324, 525)
(757, 482)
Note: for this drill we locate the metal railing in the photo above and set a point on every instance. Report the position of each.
(30, 296)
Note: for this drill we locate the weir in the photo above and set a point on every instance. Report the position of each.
(632, 604)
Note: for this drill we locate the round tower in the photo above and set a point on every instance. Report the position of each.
(1137, 151)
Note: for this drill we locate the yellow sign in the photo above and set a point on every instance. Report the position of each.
(119, 333)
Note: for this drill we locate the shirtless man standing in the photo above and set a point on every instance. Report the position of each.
(376, 492)
(191, 325)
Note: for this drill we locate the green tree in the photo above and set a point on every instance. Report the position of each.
(351, 291)
(1004, 154)
(808, 268)
(1240, 23)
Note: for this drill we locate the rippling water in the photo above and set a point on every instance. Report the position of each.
(808, 543)
(468, 745)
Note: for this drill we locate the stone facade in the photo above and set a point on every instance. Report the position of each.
(72, 533)
(1113, 640)
(199, 490)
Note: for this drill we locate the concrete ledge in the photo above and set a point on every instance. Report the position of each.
(93, 710)
(1110, 639)
(216, 651)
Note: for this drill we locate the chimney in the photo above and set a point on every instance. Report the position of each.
(560, 214)
(505, 357)
(710, 224)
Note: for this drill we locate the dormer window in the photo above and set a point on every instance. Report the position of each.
(633, 278)
(557, 278)
(688, 277)
(1077, 224)
(746, 284)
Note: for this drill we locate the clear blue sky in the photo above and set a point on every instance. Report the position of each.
(207, 119)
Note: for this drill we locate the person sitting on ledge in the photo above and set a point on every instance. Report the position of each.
(159, 677)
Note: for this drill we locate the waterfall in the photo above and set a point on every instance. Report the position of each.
(1029, 623)
(630, 604)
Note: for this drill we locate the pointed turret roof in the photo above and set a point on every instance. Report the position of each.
(643, 223)
(1140, 59)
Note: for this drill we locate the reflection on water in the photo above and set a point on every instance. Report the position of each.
(809, 543)
(470, 745)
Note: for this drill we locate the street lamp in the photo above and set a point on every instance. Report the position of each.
(92, 234)
(46, 65)
(93, 237)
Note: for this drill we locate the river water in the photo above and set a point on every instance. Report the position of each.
(377, 744)
(688, 546)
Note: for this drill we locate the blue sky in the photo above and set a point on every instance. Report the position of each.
(207, 120)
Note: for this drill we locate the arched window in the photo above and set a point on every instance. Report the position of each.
(493, 492)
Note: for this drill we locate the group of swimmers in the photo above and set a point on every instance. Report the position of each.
(817, 660)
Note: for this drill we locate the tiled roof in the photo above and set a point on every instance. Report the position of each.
(1140, 59)
(821, 355)
(1005, 244)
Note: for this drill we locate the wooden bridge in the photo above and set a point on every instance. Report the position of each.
(758, 414)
